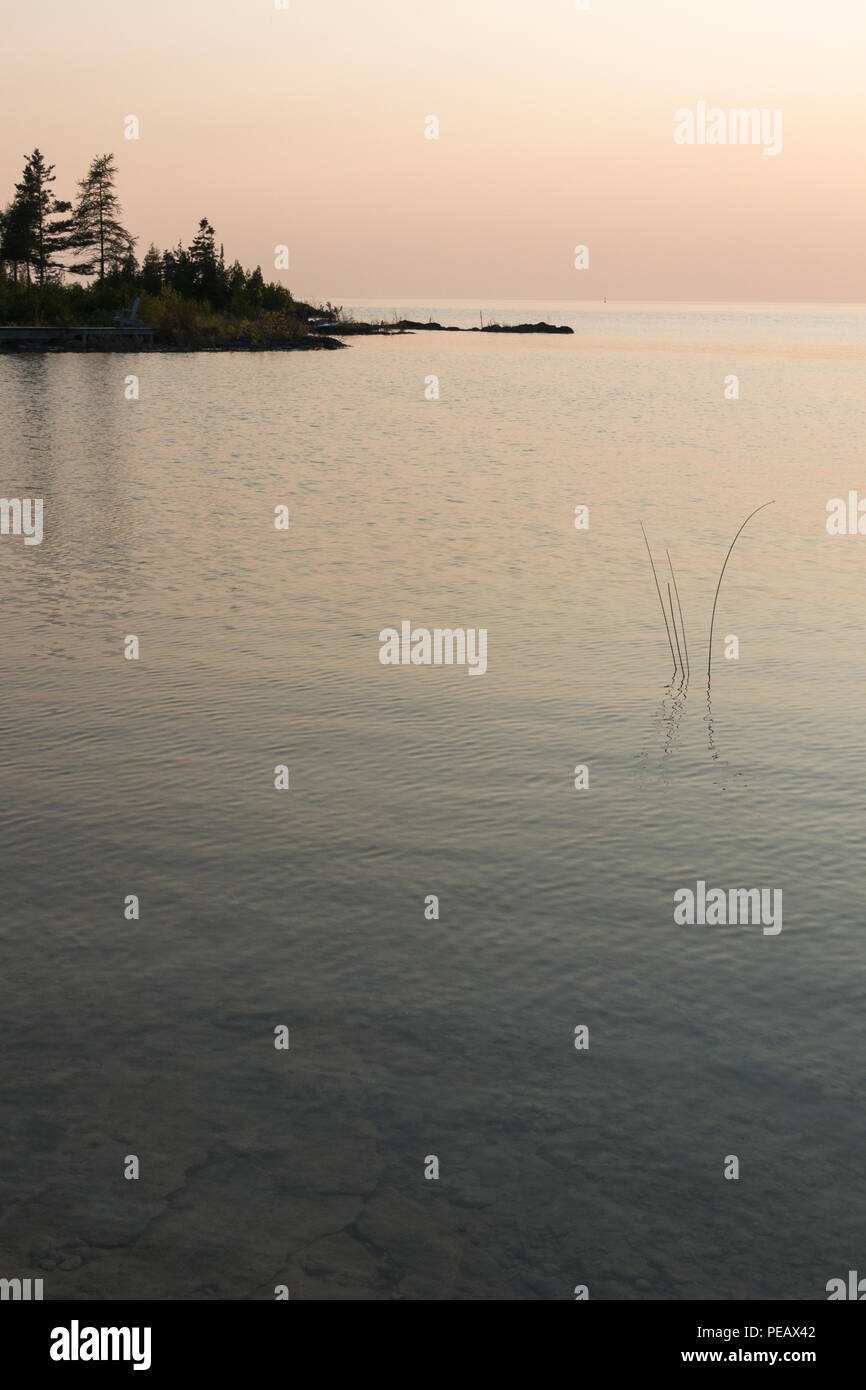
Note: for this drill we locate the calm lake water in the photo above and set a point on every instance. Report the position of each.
(454, 1037)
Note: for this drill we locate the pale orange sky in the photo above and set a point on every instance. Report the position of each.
(305, 126)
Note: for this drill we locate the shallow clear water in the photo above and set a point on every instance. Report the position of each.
(306, 908)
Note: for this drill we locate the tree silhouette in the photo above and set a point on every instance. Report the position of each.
(35, 230)
(97, 232)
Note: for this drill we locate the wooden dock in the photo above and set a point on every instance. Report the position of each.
(57, 334)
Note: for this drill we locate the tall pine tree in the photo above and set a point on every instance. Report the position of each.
(35, 230)
(48, 227)
(97, 232)
(209, 268)
(17, 245)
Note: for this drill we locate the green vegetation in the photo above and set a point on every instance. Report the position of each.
(75, 264)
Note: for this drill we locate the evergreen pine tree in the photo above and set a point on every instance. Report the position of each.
(42, 215)
(18, 244)
(97, 232)
(152, 270)
(208, 267)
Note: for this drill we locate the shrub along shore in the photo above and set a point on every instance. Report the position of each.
(238, 312)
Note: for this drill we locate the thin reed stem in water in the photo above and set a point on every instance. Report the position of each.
(680, 607)
(676, 634)
(721, 576)
(661, 600)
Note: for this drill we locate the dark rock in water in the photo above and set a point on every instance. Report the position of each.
(411, 326)
(348, 330)
(356, 330)
(526, 328)
(329, 344)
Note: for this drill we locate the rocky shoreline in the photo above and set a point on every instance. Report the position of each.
(410, 326)
(307, 342)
